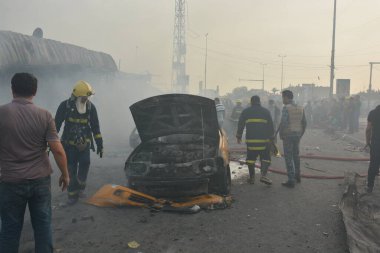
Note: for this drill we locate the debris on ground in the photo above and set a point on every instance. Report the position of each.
(84, 218)
(307, 166)
(361, 216)
(133, 245)
(118, 196)
(312, 148)
(353, 149)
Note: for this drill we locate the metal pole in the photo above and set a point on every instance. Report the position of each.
(370, 85)
(263, 64)
(206, 63)
(332, 66)
(282, 69)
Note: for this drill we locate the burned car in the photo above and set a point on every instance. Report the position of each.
(182, 151)
(134, 138)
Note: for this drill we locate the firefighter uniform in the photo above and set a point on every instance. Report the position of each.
(259, 131)
(80, 129)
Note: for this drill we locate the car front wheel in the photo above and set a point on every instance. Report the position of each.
(220, 183)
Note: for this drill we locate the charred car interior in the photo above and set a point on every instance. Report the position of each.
(182, 151)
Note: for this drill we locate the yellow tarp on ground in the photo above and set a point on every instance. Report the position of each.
(117, 196)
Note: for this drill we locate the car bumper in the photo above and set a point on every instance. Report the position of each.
(174, 188)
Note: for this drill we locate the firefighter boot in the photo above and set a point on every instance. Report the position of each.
(251, 169)
(72, 200)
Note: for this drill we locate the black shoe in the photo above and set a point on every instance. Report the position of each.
(251, 180)
(288, 184)
(369, 189)
(72, 201)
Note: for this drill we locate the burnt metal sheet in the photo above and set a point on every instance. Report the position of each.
(170, 114)
(361, 215)
(22, 50)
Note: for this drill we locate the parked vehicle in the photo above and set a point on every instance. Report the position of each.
(182, 151)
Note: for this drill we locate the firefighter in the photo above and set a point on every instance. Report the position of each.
(235, 115)
(236, 111)
(259, 132)
(80, 130)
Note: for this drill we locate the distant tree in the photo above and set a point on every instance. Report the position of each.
(274, 90)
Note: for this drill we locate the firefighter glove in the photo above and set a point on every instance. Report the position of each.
(99, 151)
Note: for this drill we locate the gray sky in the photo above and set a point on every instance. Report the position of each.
(242, 34)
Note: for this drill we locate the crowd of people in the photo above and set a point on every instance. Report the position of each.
(263, 124)
(333, 114)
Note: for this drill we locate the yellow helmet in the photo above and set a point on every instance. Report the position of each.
(82, 89)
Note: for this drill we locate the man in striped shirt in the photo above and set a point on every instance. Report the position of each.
(220, 111)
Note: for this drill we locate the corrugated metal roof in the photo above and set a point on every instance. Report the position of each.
(19, 50)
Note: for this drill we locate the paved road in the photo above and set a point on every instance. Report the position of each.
(261, 219)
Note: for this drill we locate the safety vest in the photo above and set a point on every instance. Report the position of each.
(295, 113)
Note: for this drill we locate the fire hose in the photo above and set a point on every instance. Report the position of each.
(308, 156)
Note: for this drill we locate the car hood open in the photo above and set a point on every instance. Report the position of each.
(175, 114)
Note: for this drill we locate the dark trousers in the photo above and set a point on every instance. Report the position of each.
(292, 159)
(374, 163)
(13, 200)
(265, 160)
(78, 163)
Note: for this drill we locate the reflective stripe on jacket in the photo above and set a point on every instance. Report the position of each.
(259, 127)
(86, 124)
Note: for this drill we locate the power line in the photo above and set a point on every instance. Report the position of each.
(278, 63)
(342, 54)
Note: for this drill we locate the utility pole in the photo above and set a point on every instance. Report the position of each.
(370, 84)
(282, 69)
(180, 80)
(206, 62)
(332, 66)
(263, 64)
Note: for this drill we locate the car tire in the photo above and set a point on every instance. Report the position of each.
(221, 182)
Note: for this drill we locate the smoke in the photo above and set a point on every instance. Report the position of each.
(114, 93)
